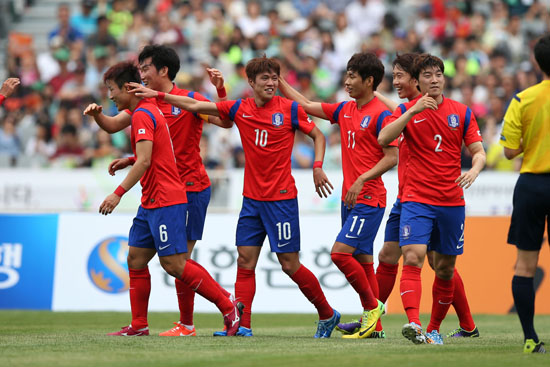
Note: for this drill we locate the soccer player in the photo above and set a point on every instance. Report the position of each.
(8, 87)
(363, 192)
(157, 227)
(526, 130)
(267, 124)
(158, 67)
(388, 257)
(434, 128)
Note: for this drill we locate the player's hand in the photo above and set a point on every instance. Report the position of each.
(216, 77)
(93, 110)
(8, 87)
(109, 204)
(423, 103)
(118, 164)
(323, 187)
(142, 91)
(467, 178)
(351, 197)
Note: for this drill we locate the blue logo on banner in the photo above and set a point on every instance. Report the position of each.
(453, 121)
(176, 110)
(365, 122)
(107, 265)
(27, 259)
(277, 119)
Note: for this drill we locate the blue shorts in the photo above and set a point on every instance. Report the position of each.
(439, 227)
(197, 202)
(392, 225)
(162, 229)
(277, 219)
(359, 227)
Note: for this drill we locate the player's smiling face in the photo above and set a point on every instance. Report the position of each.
(119, 96)
(265, 86)
(432, 81)
(404, 83)
(149, 74)
(355, 86)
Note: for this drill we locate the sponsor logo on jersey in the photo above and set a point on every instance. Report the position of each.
(176, 110)
(503, 138)
(406, 231)
(141, 131)
(309, 120)
(365, 122)
(453, 121)
(277, 119)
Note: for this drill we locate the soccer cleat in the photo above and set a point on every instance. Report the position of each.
(325, 327)
(433, 337)
(378, 335)
(349, 328)
(461, 333)
(129, 331)
(414, 333)
(368, 323)
(179, 330)
(243, 331)
(532, 347)
(232, 320)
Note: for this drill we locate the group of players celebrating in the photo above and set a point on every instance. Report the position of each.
(423, 137)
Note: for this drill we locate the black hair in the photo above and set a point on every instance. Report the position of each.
(161, 56)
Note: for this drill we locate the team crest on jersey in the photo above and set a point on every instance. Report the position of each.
(365, 122)
(453, 121)
(176, 110)
(277, 119)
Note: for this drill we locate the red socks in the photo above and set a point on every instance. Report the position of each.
(460, 304)
(310, 287)
(245, 289)
(385, 275)
(442, 293)
(140, 288)
(411, 291)
(198, 279)
(356, 277)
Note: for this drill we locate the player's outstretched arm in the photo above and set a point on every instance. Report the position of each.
(323, 187)
(388, 161)
(188, 104)
(392, 105)
(8, 87)
(111, 124)
(478, 162)
(216, 78)
(313, 108)
(144, 150)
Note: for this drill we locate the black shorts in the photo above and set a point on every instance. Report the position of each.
(531, 211)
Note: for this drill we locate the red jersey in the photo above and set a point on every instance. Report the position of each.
(160, 184)
(435, 144)
(267, 135)
(359, 130)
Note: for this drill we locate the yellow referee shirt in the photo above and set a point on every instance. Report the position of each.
(527, 123)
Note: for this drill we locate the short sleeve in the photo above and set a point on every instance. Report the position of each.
(228, 109)
(143, 125)
(511, 129)
(305, 124)
(332, 111)
(472, 134)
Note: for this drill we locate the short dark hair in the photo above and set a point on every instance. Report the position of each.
(405, 61)
(425, 61)
(161, 56)
(542, 54)
(260, 65)
(367, 64)
(122, 73)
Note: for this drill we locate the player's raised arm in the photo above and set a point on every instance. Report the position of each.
(323, 187)
(216, 78)
(8, 87)
(312, 108)
(392, 105)
(111, 124)
(188, 104)
(478, 162)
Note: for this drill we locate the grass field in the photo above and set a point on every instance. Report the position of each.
(78, 339)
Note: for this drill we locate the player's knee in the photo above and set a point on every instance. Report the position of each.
(174, 268)
(389, 254)
(246, 263)
(445, 272)
(413, 259)
(136, 261)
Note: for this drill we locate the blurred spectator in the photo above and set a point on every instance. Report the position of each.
(85, 21)
(303, 153)
(253, 22)
(10, 147)
(62, 56)
(139, 34)
(40, 146)
(68, 33)
(120, 18)
(102, 37)
(69, 152)
(365, 16)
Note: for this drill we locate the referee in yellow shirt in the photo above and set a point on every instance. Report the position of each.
(527, 130)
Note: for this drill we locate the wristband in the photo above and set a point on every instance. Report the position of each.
(222, 93)
(132, 160)
(161, 95)
(2, 98)
(317, 164)
(120, 191)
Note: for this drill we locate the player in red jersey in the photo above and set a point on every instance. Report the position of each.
(434, 128)
(267, 124)
(157, 227)
(388, 257)
(8, 87)
(363, 192)
(158, 67)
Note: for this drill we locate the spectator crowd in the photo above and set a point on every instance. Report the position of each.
(484, 44)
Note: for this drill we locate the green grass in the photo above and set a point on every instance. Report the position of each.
(78, 339)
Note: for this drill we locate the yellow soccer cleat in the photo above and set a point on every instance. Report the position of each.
(368, 323)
